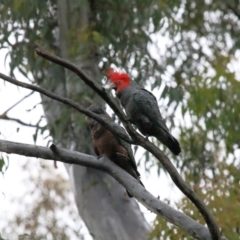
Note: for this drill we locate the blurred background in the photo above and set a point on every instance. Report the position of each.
(185, 52)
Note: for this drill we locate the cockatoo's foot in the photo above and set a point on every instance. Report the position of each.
(146, 137)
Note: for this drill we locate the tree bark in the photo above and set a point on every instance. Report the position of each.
(101, 200)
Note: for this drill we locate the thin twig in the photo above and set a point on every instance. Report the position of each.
(5, 117)
(14, 105)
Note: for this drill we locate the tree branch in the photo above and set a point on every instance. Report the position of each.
(95, 87)
(171, 215)
(14, 105)
(70, 103)
(5, 117)
(84, 77)
(138, 140)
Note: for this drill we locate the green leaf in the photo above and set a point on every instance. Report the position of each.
(2, 162)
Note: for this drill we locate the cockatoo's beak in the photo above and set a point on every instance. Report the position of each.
(113, 86)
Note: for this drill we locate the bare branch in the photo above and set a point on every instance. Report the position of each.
(139, 140)
(173, 216)
(14, 105)
(96, 87)
(70, 103)
(5, 117)
(84, 77)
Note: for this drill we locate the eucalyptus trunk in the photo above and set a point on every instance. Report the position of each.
(101, 201)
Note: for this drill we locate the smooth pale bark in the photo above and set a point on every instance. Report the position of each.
(196, 230)
(101, 201)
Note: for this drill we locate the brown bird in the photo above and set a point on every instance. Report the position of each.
(105, 142)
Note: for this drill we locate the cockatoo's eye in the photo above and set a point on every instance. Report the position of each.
(119, 82)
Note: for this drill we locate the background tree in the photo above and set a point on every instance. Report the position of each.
(42, 207)
(196, 74)
(203, 58)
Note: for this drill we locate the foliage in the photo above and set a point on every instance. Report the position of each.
(196, 75)
(4, 163)
(220, 193)
(198, 69)
(124, 44)
(43, 212)
(203, 58)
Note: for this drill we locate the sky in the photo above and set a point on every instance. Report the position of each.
(12, 184)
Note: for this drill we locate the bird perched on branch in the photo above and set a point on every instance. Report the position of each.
(105, 142)
(142, 108)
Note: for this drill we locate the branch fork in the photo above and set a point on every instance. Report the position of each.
(135, 138)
